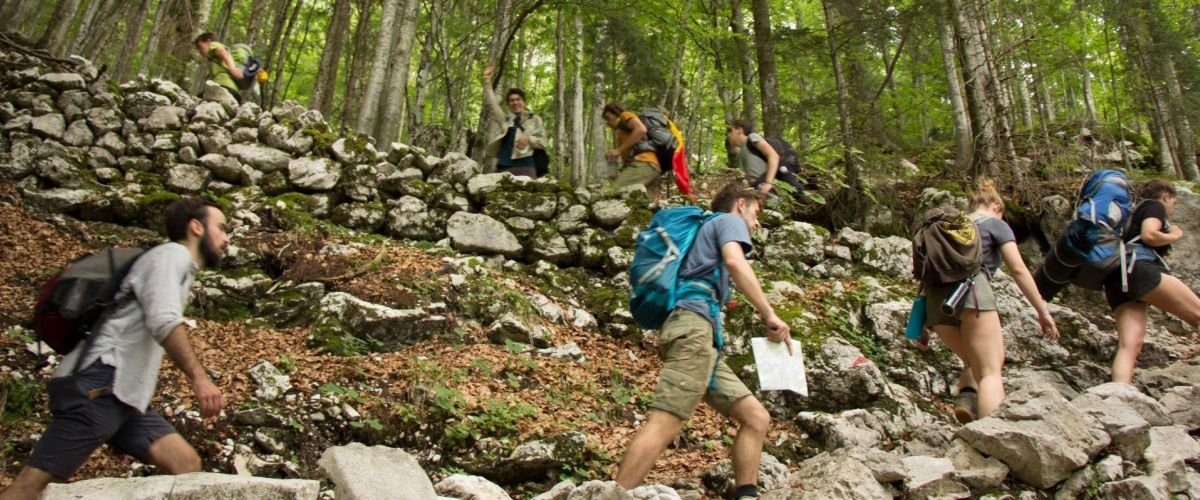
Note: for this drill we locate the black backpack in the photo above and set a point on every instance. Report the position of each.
(659, 137)
(787, 154)
(77, 300)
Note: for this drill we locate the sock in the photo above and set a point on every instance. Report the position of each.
(745, 490)
(966, 389)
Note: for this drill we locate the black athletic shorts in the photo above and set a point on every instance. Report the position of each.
(1146, 275)
(85, 415)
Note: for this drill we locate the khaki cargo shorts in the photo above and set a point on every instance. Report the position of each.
(638, 172)
(685, 345)
(981, 298)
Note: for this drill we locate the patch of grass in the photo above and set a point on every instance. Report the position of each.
(19, 399)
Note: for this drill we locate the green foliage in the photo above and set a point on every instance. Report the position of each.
(19, 398)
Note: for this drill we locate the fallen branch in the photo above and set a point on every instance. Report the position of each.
(17, 43)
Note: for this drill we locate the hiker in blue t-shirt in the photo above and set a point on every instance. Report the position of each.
(692, 368)
(1148, 281)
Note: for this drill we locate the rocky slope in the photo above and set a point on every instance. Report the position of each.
(377, 294)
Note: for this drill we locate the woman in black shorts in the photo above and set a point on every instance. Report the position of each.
(1148, 282)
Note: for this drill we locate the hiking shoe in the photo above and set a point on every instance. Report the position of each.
(967, 407)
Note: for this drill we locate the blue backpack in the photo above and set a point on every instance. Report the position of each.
(654, 274)
(1093, 245)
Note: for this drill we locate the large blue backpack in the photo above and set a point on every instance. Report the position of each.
(654, 274)
(1093, 245)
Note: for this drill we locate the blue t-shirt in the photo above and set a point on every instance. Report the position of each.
(993, 233)
(705, 256)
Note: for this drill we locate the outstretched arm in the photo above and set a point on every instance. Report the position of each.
(744, 279)
(636, 134)
(230, 66)
(1024, 279)
(772, 164)
(489, 97)
(208, 395)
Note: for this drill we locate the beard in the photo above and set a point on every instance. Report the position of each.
(210, 252)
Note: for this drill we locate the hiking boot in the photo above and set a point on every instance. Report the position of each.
(967, 407)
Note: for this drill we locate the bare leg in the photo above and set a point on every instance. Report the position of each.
(28, 484)
(984, 344)
(173, 455)
(1131, 331)
(660, 429)
(753, 424)
(1174, 297)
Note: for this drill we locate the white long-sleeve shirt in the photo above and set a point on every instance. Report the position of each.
(130, 341)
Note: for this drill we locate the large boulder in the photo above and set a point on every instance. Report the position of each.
(367, 217)
(466, 487)
(832, 477)
(1039, 435)
(846, 377)
(51, 126)
(164, 118)
(797, 242)
(263, 158)
(456, 168)
(185, 486)
(63, 81)
(187, 179)
(610, 213)
(477, 233)
(223, 167)
(377, 472)
(313, 174)
(891, 255)
(345, 322)
(932, 477)
(220, 95)
(410, 218)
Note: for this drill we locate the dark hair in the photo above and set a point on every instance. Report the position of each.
(728, 196)
(1154, 189)
(747, 126)
(182, 211)
(613, 108)
(207, 36)
(517, 91)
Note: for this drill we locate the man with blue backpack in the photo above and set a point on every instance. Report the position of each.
(101, 390)
(681, 275)
(235, 68)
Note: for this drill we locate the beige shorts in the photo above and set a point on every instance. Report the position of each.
(981, 298)
(685, 345)
(638, 172)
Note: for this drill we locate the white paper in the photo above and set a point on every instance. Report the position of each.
(777, 370)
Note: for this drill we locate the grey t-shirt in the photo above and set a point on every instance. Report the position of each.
(705, 255)
(754, 166)
(993, 234)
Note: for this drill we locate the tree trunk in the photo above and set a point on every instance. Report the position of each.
(963, 144)
(978, 80)
(392, 123)
(279, 62)
(327, 68)
(848, 200)
(495, 49)
(150, 55)
(1089, 97)
(1185, 137)
(1026, 100)
(198, 69)
(601, 167)
(745, 63)
(379, 69)
(355, 60)
(86, 26)
(133, 32)
(579, 170)
(280, 95)
(60, 22)
(560, 103)
(22, 14)
(764, 48)
(258, 20)
(418, 108)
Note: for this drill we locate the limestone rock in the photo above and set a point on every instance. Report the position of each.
(466, 487)
(63, 81)
(974, 469)
(361, 216)
(551, 247)
(457, 168)
(189, 179)
(141, 105)
(796, 242)
(272, 384)
(353, 151)
(220, 95)
(477, 233)
(209, 112)
(313, 174)
(610, 213)
(377, 472)
(104, 120)
(52, 125)
(511, 328)
(412, 219)
(1039, 435)
(164, 118)
(851, 428)
(847, 378)
(599, 490)
(1107, 470)
(1182, 404)
(264, 158)
(930, 477)
(891, 255)
(185, 486)
(832, 477)
(342, 316)
(772, 474)
(1170, 448)
(78, 134)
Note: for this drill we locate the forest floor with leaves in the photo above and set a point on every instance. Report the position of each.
(534, 396)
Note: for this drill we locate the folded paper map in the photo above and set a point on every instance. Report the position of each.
(778, 370)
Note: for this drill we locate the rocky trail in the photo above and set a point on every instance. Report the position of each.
(475, 325)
